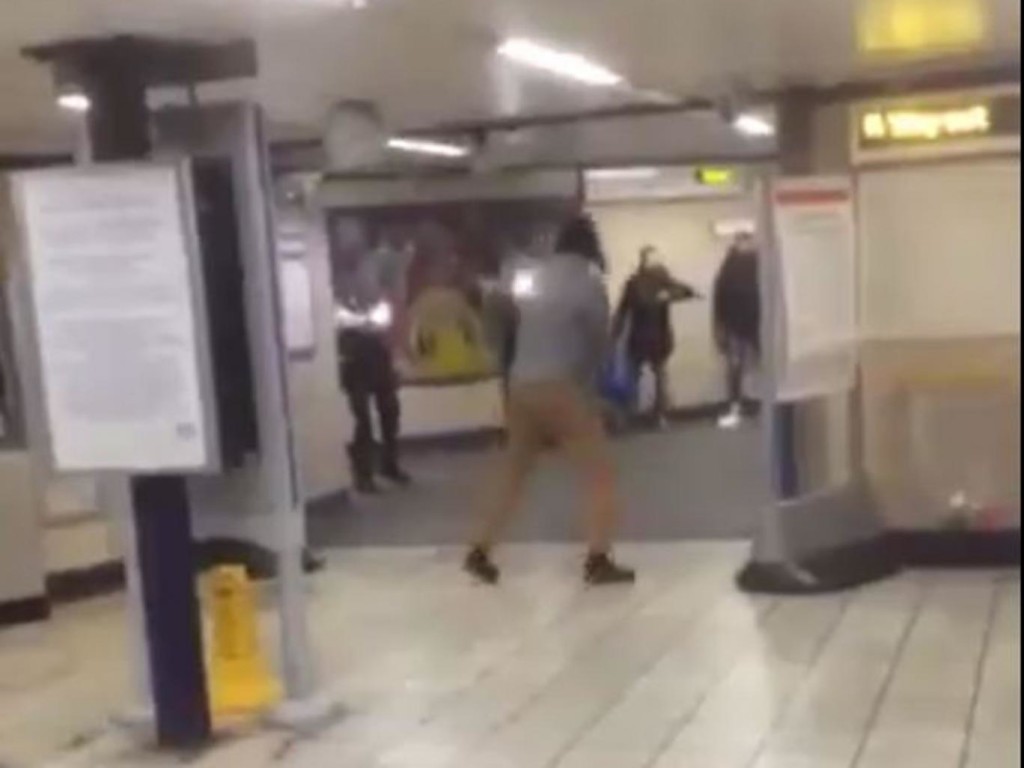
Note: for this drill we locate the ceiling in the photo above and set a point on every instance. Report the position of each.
(426, 62)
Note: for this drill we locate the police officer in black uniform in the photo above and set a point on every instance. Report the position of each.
(370, 381)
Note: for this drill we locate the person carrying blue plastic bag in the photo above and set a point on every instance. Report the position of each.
(643, 324)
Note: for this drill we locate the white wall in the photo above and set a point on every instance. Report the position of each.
(77, 530)
(940, 249)
(682, 231)
(451, 409)
(22, 494)
(21, 540)
(320, 416)
(940, 270)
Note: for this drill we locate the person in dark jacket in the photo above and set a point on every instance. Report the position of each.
(644, 318)
(370, 381)
(737, 320)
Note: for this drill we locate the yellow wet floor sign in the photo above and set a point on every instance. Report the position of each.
(241, 682)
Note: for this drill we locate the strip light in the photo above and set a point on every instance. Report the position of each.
(565, 64)
(753, 125)
(622, 174)
(74, 101)
(428, 147)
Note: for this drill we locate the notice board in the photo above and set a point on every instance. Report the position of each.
(816, 233)
(119, 318)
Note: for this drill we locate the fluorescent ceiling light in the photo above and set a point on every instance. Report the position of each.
(562, 63)
(622, 174)
(428, 147)
(74, 101)
(750, 124)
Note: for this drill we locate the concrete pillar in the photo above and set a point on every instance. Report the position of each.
(22, 567)
(22, 573)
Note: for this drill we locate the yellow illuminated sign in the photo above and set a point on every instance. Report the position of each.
(921, 26)
(716, 177)
(926, 125)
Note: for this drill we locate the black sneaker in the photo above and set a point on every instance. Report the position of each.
(367, 486)
(601, 570)
(361, 461)
(395, 474)
(312, 562)
(478, 564)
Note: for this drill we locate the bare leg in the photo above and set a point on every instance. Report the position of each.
(602, 492)
(584, 437)
(503, 496)
(588, 443)
(504, 491)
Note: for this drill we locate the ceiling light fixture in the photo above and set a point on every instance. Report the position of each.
(74, 101)
(565, 64)
(753, 125)
(428, 147)
(622, 174)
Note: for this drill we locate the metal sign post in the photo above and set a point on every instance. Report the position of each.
(269, 488)
(826, 538)
(118, 314)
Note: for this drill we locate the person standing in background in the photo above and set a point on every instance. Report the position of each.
(370, 382)
(644, 320)
(737, 321)
(561, 319)
(364, 318)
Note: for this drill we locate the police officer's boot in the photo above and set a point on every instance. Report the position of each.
(361, 458)
(390, 469)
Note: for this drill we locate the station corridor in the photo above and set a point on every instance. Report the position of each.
(434, 672)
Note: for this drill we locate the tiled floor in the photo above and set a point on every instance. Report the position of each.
(681, 671)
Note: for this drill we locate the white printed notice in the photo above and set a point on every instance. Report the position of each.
(297, 300)
(112, 290)
(814, 223)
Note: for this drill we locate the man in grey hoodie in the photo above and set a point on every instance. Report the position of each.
(557, 336)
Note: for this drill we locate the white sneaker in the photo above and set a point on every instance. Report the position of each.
(732, 419)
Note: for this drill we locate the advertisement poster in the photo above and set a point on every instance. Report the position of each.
(427, 260)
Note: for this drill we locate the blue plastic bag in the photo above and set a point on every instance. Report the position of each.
(618, 385)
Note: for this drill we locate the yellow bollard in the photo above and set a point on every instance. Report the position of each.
(240, 679)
